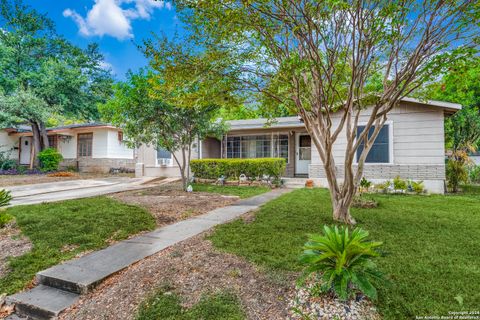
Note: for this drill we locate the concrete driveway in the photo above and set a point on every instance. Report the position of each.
(75, 189)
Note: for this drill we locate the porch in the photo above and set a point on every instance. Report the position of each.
(292, 145)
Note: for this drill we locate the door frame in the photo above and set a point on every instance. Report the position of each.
(21, 149)
(297, 154)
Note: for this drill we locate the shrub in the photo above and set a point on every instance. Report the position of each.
(4, 219)
(364, 183)
(399, 183)
(233, 168)
(417, 186)
(456, 173)
(50, 159)
(343, 261)
(474, 174)
(5, 162)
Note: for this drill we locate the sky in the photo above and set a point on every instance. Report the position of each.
(117, 25)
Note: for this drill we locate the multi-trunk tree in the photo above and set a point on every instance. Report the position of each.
(332, 62)
(41, 74)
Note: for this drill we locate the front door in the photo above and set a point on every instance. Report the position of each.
(303, 153)
(25, 149)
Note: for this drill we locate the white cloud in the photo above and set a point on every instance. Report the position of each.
(112, 18)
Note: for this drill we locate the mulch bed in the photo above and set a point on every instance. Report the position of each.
(191, 268)
(169, 204)
(12, 244)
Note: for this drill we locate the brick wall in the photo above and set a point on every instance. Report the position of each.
(371, 171)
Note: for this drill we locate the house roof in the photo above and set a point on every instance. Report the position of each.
(295, 122)
(28, 129)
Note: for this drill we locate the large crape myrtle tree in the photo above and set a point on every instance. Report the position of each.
(332, 61)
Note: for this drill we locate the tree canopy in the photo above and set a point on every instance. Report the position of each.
(42, 74)
(331, 61)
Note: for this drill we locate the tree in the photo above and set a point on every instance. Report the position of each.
(36, 62)
(332, 61)
(146, 119)
(462, 131)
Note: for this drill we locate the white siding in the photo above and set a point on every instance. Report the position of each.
(117, 149)
(8, 144)
(418, 136)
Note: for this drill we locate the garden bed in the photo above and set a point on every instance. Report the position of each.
(189, 270)
(169, 204)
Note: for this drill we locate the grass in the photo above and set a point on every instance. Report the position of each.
(84, 224)
(430, 245)
(240, 191)
(167, 306)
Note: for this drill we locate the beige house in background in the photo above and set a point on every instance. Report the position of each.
(89, 147)
(411, 145)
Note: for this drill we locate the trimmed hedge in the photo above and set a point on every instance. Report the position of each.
(233, 168)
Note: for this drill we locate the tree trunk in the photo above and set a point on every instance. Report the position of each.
(44, 136)
(36, 143)
(341, 210)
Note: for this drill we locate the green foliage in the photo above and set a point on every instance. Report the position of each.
(50, 159)
(240, 191)
(5, 198)
(474, 173)
(417, 186)
(399, 183)
(461, 85)
(4, 219)
(343, 260)
(415, 249)
(456, 172)
(5, 162)
(364, 183)
(167, 306)
(233, 168)
(84, 224)
(42, 74)
(138, 107)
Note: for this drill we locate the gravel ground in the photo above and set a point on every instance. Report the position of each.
(192, 268)
(12, 244)
(305, 306)
(169, 204)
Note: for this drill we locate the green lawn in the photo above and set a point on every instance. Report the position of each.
(240, 191)
(221, 306)
(84, 224)
(431, 245)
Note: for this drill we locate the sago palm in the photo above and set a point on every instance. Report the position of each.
(5, 198)
(343, 260)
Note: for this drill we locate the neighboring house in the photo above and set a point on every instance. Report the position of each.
(410, 145)
(90, 147)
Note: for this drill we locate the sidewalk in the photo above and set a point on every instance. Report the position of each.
(60, 286)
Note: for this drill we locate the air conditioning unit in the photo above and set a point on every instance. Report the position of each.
(164, 162)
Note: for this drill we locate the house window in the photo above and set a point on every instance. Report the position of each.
(380, 151)
(85, 141)
(258, 146)
(53, 141)
(164, 157)
(120, 137)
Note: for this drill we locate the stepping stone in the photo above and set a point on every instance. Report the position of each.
(41, 302)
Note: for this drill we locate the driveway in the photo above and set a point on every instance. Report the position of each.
(75, 189)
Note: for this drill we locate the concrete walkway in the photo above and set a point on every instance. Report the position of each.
(75, 189)
(60, 286)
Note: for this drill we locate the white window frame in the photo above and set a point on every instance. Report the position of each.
(388, 123)
(159, 161)
(272, 134)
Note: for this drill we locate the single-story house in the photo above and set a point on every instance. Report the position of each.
(88, 147)
(410, 145)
